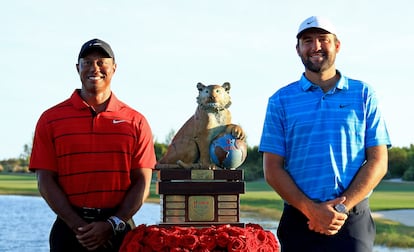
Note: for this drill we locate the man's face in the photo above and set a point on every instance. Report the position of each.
(318, 50)
(96, 71)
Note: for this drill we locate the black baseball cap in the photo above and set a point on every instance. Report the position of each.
(96, 44)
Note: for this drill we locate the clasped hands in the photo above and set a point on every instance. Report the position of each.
(94, 235)
(324, 219)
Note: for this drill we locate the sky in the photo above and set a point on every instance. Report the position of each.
(163, 48)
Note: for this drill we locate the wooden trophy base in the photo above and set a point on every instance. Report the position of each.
(200, 197)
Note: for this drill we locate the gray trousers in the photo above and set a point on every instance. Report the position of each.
(357, 234)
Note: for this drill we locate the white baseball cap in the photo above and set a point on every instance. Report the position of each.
(316, 22)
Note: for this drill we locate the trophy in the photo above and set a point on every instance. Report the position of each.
(198, 180)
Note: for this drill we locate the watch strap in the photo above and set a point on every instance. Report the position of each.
(113, 225)
(118, 225)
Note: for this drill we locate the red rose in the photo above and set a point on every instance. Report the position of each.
(132, 239)
(236, 231)
(265, 249)
(251, 242)
(261, 236)
(178, 250)
(254, 226)
(131, 246)
(200, 249)
(189, 241)
(172, 240)
(211, 231)
(154, 238)
(222, 239)
(182, 230)
(147, 249)
(272, 241)
(207, 241)
(237, 244)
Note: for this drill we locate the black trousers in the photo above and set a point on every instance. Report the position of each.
(357, 234)
(63, 239)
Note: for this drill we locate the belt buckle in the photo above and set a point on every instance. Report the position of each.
(90, 213)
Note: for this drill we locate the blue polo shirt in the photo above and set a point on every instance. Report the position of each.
(323, 136)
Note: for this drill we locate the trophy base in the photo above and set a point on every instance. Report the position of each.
(200, 197)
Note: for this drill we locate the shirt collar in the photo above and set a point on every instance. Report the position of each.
(308, 86)
(113, 105)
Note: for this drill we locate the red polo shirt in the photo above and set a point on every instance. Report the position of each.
(91, 153)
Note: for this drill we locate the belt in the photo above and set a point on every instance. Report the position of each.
(94, 214)
(99, 214)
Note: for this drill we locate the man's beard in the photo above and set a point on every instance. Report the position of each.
(317, 68)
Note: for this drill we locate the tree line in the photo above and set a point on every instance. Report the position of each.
(400, 162)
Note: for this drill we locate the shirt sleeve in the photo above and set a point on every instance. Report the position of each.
(376, 130)
(144, 156)
(273, 134)
(43, 154)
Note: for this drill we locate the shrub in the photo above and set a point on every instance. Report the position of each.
(409, 174)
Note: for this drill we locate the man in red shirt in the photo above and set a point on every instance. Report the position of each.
(93, 156)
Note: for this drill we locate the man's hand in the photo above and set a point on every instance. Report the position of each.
(95, 234)
(324, 219)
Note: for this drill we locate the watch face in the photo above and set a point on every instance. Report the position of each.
(121, 226)
(341, 208)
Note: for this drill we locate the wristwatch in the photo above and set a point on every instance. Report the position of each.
(117, 224)
(341, 208)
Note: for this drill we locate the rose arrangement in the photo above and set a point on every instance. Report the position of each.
(225, 238)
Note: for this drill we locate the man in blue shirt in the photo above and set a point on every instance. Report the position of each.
(324, 145)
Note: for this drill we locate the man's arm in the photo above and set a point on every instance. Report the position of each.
(277, 177)
(137, 193)
(322, 216)
(368, 176)
(57, 200)
(96, 234)
(91, 236)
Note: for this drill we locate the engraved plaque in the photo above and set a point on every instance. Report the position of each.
(201, 208)
(202, 174)
(227, 205)
(175, 219)
(175, 212)
(175, 197)
(227, 211)
(227, 198)
(175, 205)
(227, 218)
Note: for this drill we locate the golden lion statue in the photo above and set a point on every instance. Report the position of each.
(190, 146)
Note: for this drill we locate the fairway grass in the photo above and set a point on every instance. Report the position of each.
(392, 196)
(18, 184)
(261, 201)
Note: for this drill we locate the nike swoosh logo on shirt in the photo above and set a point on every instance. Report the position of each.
(117, 121)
